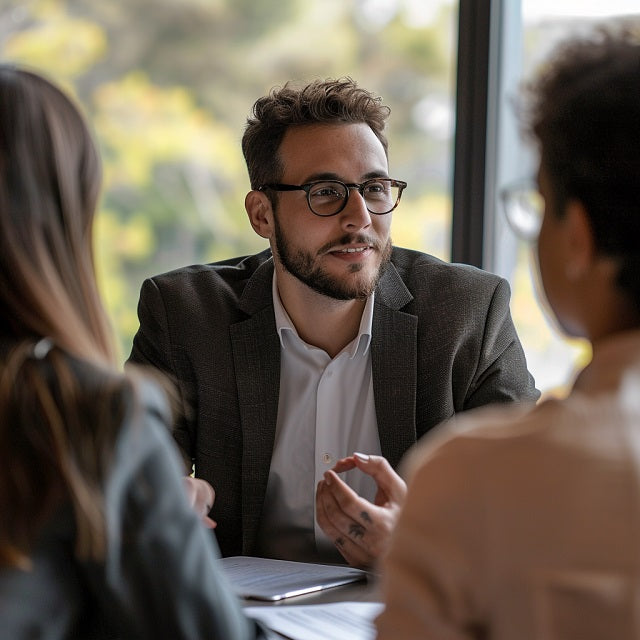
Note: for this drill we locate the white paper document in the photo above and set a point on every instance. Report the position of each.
(335, 621)
(267, 579)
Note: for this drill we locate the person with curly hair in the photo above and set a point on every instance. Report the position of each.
(525, 523)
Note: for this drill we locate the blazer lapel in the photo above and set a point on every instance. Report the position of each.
(394, 366)
(256, 355)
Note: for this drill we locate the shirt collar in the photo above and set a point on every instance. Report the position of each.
(358, 346)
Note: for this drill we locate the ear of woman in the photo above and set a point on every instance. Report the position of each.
(579, 241)
(593, 277)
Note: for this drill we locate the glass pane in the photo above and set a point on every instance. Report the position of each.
(168, 86)
(530, 37)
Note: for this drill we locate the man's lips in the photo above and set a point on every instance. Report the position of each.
(349, 244)
(351, 249)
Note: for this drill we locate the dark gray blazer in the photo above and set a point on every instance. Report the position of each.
(443, 341)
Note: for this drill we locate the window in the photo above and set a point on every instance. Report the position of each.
(527, 35)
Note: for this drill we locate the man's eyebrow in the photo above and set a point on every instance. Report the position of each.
(374, 174)
(327, 175)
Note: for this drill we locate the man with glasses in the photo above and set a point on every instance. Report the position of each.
(330, 342)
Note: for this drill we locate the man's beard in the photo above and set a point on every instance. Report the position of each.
(301, 265)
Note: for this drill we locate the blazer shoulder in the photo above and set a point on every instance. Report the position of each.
(423, 272)
(224, 279)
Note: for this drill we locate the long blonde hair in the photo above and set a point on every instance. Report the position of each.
(61, 398)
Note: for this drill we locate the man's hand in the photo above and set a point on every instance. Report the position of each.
(360, 530)
(201, 496)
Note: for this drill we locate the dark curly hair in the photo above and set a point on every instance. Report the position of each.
(584, 112)
(321, 101)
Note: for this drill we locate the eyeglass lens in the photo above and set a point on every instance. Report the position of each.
(524, 209)
(327, 198)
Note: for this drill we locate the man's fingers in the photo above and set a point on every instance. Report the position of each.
(390, 485)
(350, 514)
(355, 555)
(190, 490)
(200, 495)
(340, 528)
(331, 517)
(321, 516)
(360, 530)
(388, 481)
(347, 500)
(367, 525)
(344, 464)
(324, 518)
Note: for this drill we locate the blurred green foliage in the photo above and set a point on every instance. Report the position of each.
(167, 86)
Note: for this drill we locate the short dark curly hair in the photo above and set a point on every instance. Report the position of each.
(321, 101)
(584, 112)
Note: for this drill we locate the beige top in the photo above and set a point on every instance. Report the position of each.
(526, 524)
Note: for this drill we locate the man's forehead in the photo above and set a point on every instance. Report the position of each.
(333, 148)
(324, 133)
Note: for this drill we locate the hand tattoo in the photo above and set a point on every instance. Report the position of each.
(339, 542)
(365, 516)
(356, 530)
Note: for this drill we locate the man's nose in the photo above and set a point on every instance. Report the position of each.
(355, 214)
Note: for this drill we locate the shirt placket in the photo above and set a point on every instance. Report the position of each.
(326, 444)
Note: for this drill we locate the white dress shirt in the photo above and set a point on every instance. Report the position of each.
(326, 412)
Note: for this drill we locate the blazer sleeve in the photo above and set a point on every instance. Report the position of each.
(152, 349)
(151, 344)
(161, 576)
(501, 373)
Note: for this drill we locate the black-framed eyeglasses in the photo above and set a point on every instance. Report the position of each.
(523, 208)
(329, 197)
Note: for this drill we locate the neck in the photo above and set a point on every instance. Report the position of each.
(605, 308)
(323, 322)
(622, 318)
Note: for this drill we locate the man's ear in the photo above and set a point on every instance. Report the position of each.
(260, 212)
(580, 243)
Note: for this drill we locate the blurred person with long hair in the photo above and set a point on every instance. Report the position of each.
(525, 523)
(96, 534)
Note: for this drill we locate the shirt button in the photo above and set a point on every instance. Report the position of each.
(326, 458)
